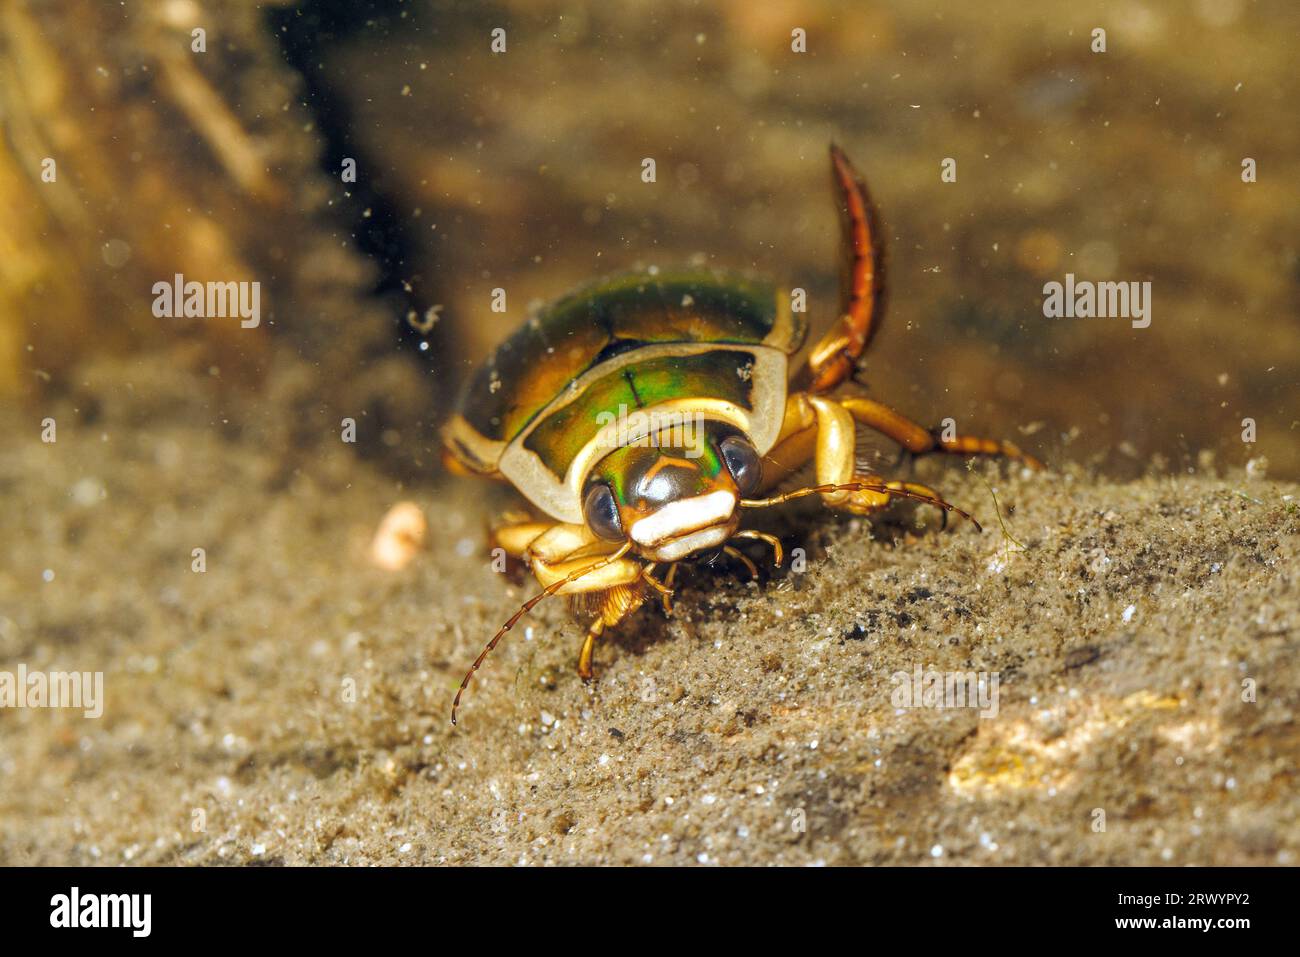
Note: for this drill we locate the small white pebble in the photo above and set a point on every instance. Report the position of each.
(936, 851)
(1128, 613)
(400, 536)
(88, 492)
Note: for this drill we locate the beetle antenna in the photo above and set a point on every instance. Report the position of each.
(524, 609)
(860, 487)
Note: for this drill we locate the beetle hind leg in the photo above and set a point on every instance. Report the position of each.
(836, 356)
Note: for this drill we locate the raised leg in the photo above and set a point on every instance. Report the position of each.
(862, 286)
(772, 542)
(664, 588)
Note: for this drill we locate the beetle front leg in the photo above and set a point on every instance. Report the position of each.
(555, 550)
(609, 593)
(611, 607)
(590, 566)
(516, 538)
(585, 670)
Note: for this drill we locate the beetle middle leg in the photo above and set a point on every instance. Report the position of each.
(919, 441)
(823, 430)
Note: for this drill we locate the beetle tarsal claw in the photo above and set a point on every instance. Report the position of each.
(648, 574)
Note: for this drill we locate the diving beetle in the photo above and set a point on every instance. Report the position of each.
(624, 495)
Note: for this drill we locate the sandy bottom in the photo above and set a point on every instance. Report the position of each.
(1143, 645)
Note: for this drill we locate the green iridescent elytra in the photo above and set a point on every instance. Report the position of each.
(707, 343)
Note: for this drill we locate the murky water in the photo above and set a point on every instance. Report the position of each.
(522, 170)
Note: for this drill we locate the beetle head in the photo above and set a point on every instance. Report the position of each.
(675, 497)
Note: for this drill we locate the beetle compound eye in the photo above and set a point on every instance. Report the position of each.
(743, 463)
(601, 513)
